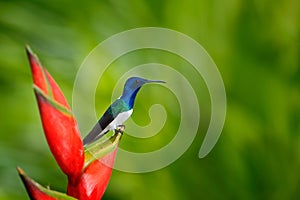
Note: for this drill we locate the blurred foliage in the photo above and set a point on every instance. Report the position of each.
(256, 47)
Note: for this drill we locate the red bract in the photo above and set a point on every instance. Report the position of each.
(88, 170)
(93, 182)
(58, 122)
(37, 192)
(62, 136)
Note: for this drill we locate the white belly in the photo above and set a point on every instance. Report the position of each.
(119, 120)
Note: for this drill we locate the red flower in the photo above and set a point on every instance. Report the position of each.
(89, 186)
(88, 170)
(37, 192)
(59, 125)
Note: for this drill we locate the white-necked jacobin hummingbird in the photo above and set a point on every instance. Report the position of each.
(119, 111)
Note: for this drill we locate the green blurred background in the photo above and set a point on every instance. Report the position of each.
(256, 47)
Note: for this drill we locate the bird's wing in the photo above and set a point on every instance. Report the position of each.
(110, 114)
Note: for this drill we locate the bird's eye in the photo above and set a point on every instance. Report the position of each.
(137, 81)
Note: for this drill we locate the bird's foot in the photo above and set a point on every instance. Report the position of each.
(120, 129)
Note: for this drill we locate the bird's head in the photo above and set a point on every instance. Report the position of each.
(133, 85)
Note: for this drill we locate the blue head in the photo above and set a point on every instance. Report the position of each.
(131, 88)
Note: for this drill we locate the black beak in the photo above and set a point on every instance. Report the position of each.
(154, 81)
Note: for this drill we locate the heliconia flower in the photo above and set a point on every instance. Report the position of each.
(59, 125)
(94, 180)
(38, 192)
(88, 169)
(99, 159)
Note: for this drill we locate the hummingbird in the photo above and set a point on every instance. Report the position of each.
(119, 111)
